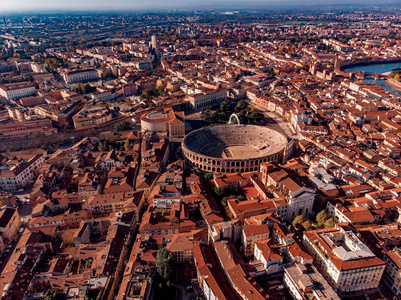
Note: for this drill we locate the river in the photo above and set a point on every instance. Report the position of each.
(377, 68)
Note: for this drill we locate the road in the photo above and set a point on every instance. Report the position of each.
(182, 283)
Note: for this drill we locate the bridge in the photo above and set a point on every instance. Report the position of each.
(362, 75)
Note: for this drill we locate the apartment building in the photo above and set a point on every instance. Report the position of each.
(392, 273)
(92, 115)
(211, 279)
(15, 174)
(252, 234)
(300, 280)
(344, 260)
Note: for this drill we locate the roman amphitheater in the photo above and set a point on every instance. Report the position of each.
(234, 148)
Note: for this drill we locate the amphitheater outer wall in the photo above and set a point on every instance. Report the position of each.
(209, 163)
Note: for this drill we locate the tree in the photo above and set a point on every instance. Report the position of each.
(329, 223)
(164, 263)
(147, 94)
(82, 88)
(397, 77)
(124, 126)
(105, 146)
(254, 117)
(100, 147)
(242, 117)
(72, 186)
(321, 218)
(206, 115)
(128, 145)
(224, 106)
(88, 88)
(307, 225)
(208, 176)
(220, 190)
(51, 294)
(298, 221)
(240, 106)
(159, 91)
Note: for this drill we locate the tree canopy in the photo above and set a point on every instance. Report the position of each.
(307, 225)
(321, 218)
(329, 223)
(222, 114)
(81, 88)
(127, 145)
(164, 263)
(51, 294)
(124, 126)
(208, 176)
(395, 73)
(298, 221)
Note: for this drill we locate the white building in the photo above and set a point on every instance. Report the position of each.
(80, 75)
(270, 257)
(108, 160)
(204, 97)
(154, 42)
(164, 120)
(345, 262)
(225, 230)
(17, 173)
(166, 196)
(301, 280)
(14, 91)
(299, 199)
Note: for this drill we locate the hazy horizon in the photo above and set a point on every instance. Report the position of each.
(103, 5)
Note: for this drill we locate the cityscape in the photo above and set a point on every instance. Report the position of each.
(200, 151)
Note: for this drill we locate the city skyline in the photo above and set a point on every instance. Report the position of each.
(193, 149)
(102, 5)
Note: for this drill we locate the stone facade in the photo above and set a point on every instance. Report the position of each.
(258, 144)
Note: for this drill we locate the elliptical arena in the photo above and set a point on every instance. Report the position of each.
(234, 148)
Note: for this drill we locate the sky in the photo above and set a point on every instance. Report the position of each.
(79, 5)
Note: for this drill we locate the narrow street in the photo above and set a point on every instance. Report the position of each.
(182, 282)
